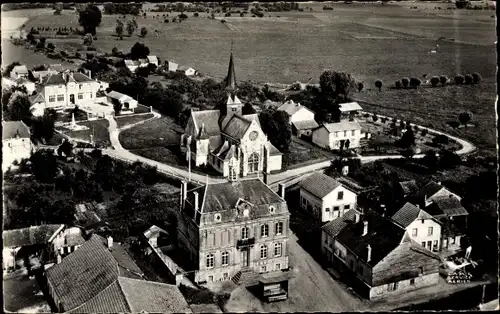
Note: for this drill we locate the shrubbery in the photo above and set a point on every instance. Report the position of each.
(434, 81)
(459, 79)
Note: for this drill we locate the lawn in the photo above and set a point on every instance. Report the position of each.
(132, 119)
(97, 128)
(298, 155)
(154, 133)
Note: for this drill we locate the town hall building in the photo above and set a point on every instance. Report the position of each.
(231, 142)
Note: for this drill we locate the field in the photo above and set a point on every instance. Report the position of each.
(158, 132)
(132, 119)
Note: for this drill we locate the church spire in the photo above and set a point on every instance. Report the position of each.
(231, 77)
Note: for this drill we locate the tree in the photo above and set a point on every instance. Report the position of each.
(51, 46)
(117, 106)
(408, 152)
(139, 51)
(360, 86)
(65, 148)
(408, 138)
(131, 26)
(142, 71)
(9, 68)
(397, 84)
(449, 160)
(443, 79)
(465, 117)
(405, 81)
(476, 77)
(43, 127)
(144, 31)
(431, 160)
(248, 109)
(57, 11)
(44, 165)
(375, 118)
(435, 81)
(88, 39)
(183, 16)
(459, 79)
(119, 27)
(468, 79)
(90, 18)
(18, 108)
(415, 82)
(334, 83)
(440, 139)
(276, 125)
(378, 84)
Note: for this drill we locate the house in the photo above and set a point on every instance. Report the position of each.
(143, 62)
(301, 118)
(421, 227)
(172, 66)
(29, 85)
(41, 75)
(68, 89)
(19, 71)
(325, 198)
(16, 143)
(232, 143)
(339, 135)
(187, 70)
(38, 104)
(377, 256)
(65, 241)
(101, 277)
(349, 110)
(153, 60)
(234, 230)
(406, 188)
(131, 65)
(128, 103)
(21, 243)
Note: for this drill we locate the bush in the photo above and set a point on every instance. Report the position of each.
(166, 21)
(51, 46)
(459, 79)
(424, 132)
(415, 82)
(242, 14)
(89, 48)
(195, 14)
(405, 81)
(468, 79)
(223, 21)
(360, 86)
(443, 79)
(476, 77)
(434, 81)
(183, 16)
(398, 84)
(378, 84)
(375, 118)
(440, 139)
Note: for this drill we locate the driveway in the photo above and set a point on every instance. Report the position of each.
(311, 289)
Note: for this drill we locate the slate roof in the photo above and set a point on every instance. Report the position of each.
(63, 78)
(36, 98)
(210, 118)
(383, 236)
(334, 227)
(319, 184)
(291, 107)
(428, 190)
(118, 95)
(342, 126)
(273, 151)
(153, 231)
(408, 187)
(81, 78)
(152, 59)
(408, 213)
(237, 127)
(20, 69)
(305, 125)
(29, 236)
(252, 117)
(350, 106)
(231, 75)
(449, 206)
(11, 129)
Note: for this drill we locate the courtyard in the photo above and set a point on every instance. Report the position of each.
(23, 294)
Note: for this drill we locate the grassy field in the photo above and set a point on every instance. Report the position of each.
(132, 119)
(299, 155)
(158, 132)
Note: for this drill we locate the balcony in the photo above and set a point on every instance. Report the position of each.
(245, 243)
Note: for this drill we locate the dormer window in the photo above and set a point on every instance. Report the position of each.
(272, 209)
(217, 217)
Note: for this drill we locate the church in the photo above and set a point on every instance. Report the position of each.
(232, 143)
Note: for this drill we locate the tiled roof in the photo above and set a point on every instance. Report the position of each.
(237, 127)
(291, 107)
(319, 184)
(408, 213)
(273, 151)
(342, 126)
(54, 79)
(11, 129)
(152, 59)
(20, 69)
(383, 236)
(428, 190)
(209, 118)
(408, 187)
(37, 98)
(350, 106)
(81, 78)
(449, 206)
(305, 125)
(334, 227)
(29, 236)
(109, 300)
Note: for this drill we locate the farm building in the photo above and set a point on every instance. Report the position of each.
(301, 118)
(153, 60)
(127, 102)
(131, 65)
(19, 71)
(187, 70)
(172, 66)
(349, 110)
(339, 135)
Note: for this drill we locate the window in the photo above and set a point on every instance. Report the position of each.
(90, 95)
(60, 97)
(263, 269)
(263, 251)
(52, 98)
(336, 208)
(211, 278)
(264, 231)
(412, 282)
(225, 258)
(353, 132)
(233, 109)
(348, 206)
(435, 246)
(336, 134)
(279, 228)
(277, 249)
(80, 95)
(340, 196)
(414, 232)
(210, 260)
(392, 286)
(232, 174)
(423, 220)
(327, 209)
(244, 233)
(253, 163)
(278, 267)
(452, 240)
(429, 231)
(345, 133)
(423, 244)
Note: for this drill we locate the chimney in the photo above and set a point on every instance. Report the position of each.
(110, 242)
(59, 258)
(196, 201)
(356, 218)
(368, 253)
(365, 228)
(281, 189)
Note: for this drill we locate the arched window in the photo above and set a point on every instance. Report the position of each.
(244, 233)
(225, 258)
(210, 260)
(277, 249)
(253, 163)
(263, 251)
(264, 231)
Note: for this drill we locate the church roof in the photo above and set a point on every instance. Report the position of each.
(203, 132)
(273, 151)
(237, 127)
(231, 75)
(208, 118)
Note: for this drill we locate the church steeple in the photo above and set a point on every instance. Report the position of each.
(231, 76)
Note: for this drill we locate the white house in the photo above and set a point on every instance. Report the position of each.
(325, 198)
(19, 71)
(128, 103)
(9, 82)
(68, 89)
(153, 60)
(41, 75)
(186, 70)
(65, 240)
(16, 143)
(37, 105)
(421, 227)
(349, 110)
(172, 66)
(301, 118)
(339, 135)
(143, 62)
(131, 65)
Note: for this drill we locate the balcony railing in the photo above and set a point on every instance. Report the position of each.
(245, 243)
